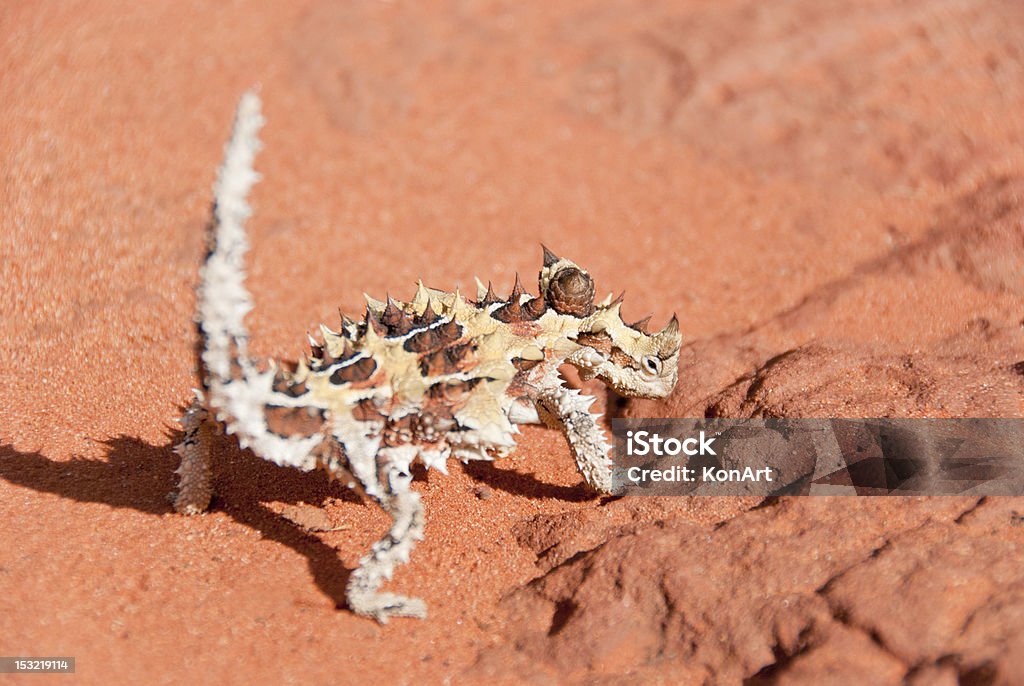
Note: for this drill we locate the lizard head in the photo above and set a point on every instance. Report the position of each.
(627, 358)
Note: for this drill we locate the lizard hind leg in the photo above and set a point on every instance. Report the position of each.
(195, 487)
(403, 504)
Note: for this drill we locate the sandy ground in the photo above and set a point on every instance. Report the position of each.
(829, 194)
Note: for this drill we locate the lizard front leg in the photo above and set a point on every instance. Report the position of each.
(569, 410)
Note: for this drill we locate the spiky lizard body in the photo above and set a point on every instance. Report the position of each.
(439, 376)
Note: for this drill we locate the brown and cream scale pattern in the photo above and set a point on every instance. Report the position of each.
(436, 377)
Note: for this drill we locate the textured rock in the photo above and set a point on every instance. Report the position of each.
(872, 590)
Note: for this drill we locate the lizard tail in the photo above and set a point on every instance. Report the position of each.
(239, 394)
(223, 298)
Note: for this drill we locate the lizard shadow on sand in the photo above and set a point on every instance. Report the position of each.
(138, 476)
(524, 484)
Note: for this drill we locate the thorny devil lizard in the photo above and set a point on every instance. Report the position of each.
(437, 377)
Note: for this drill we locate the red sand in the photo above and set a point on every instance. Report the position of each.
(843, 179)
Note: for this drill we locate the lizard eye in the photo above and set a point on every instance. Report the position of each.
(651, 364)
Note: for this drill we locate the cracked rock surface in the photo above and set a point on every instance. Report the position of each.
(794, 591)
